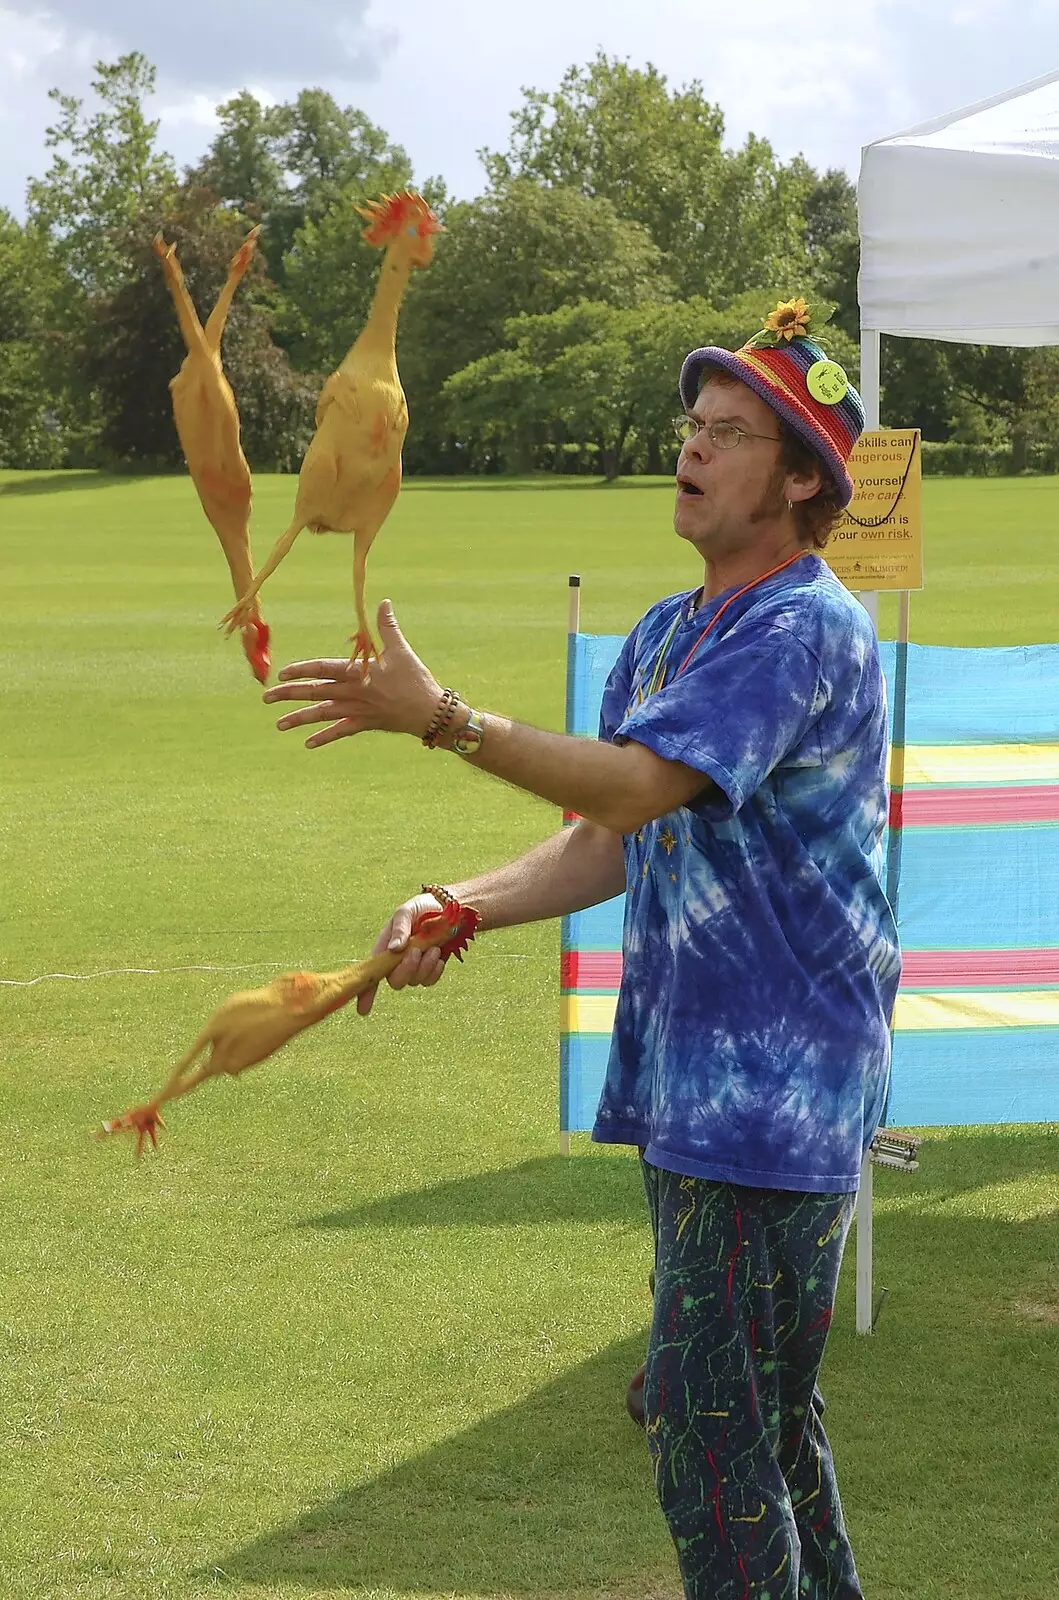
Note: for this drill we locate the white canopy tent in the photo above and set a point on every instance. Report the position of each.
(959, 228)
(959, 231)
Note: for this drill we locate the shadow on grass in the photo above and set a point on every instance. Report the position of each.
(57, 482)
(551, 1495)
(559, 1189)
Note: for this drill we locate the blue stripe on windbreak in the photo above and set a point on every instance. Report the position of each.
(583, 1066)
(990, 696)
(591, 657)
(598, 928)
(978, 888)
(968, 1075)
(958, 1078)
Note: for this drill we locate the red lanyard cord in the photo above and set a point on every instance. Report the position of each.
(732, 598)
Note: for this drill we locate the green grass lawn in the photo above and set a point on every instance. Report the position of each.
(357, 1328)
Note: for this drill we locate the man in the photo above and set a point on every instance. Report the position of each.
(737, 793)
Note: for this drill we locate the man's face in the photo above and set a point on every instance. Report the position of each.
(723, 496)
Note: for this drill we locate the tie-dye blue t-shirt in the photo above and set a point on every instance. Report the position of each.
(751, 1042)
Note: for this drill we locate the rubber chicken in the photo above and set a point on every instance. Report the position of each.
(351, 473)
(207, 424)
(252, 1025)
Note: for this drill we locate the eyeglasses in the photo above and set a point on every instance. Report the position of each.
(725, 435)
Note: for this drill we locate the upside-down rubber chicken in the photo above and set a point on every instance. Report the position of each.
(252, 1025)
(351, 473)
(207, 425)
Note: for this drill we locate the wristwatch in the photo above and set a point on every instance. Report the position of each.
(468, 741)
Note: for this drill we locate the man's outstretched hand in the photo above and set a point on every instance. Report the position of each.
(418, 967)
(397, 693)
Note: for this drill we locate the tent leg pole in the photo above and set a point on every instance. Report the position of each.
(870, 356)
(870, 375)
(864, 1248)
(564, 1144)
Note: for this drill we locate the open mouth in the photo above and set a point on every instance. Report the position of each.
(685, 486)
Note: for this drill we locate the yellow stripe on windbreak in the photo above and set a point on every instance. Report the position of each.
(977, 1008)
(916, 1013)
(587, 1013)
(951, 764)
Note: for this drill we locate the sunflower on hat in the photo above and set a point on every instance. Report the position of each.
(792, 319)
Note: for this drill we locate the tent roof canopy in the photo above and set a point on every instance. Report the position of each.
(959, 223)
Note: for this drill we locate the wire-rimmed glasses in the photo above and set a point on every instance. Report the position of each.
(724, 435)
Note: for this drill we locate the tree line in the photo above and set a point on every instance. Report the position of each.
(616, 232)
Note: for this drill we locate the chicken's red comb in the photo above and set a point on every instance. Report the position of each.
(393, 213)
(463, 920)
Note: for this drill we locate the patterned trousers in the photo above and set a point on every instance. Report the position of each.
(744, 1289)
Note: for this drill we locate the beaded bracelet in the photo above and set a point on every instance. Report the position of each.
(442, 896)
(446, 710)
(447, 716)
(435, 721)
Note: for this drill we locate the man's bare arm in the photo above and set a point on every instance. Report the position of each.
(575, 868)
(578, 867)
(618, 786)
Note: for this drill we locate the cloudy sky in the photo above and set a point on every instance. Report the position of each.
(441, 76)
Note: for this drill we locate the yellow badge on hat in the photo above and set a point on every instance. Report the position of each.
(827, 382)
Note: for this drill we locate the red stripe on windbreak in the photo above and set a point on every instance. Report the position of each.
(955, 969)
(585, 970)
(591, 969)
(938, 808)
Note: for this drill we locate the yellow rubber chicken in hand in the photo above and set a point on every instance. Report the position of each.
(351, 473)
(252, 1025)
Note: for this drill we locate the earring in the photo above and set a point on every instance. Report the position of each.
(790, 505)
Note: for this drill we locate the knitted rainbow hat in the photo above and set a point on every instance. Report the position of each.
(790, 372)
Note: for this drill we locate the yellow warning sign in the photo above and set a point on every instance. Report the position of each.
(877, 542)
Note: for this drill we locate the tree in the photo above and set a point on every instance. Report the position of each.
(616, 132)
(136, 347)
(998, 381)
(242, 165)
(105, 171)
(598, 376)
(724, 220)
(517, 249)
(289, 165)
(832, 238)
(916, 389)
(31, 421)
(587, 375)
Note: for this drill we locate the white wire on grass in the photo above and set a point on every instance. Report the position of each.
(147, 972)
(154, 972)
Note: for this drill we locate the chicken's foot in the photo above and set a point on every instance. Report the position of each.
(364, 648)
